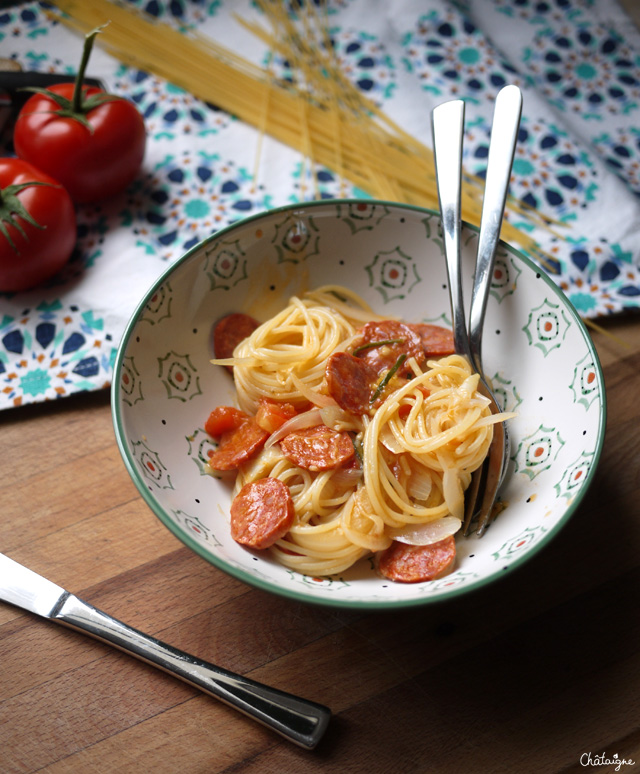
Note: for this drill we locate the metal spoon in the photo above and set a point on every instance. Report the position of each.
(448, 133)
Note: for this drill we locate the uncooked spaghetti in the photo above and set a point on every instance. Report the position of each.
(327, 119)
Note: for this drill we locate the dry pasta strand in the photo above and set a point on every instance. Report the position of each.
(323, 115)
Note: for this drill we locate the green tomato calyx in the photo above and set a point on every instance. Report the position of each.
(11, 208)
(80, 104)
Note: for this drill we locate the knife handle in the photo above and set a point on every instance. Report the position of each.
(14, 82)
(298, 720)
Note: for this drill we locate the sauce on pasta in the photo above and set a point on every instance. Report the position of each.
(353, 435)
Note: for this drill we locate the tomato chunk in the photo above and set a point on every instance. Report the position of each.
(272, 415)
(224, 418)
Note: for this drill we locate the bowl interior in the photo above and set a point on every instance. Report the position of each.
(535, 349)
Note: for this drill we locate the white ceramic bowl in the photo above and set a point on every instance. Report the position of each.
(535, 348)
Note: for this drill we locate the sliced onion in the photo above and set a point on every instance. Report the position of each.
(493, 419)
(311, 395)
(334, 415)
(420, 485)
(426, 534)
(469, 386)
(309, 418)
(453, 493)
(236, 361)
(390, 442)
(346, 477)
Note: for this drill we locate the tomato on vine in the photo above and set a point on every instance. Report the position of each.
(90, 141)
(37, 226)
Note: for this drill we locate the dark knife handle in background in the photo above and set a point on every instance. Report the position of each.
(14, 82)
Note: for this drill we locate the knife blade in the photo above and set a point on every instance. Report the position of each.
(24, 588)
(300, 721)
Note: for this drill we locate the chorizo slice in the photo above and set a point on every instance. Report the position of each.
(436, 340)
(350, 382)
(381, 342)
(318, 448)
(405, 563)
(238, 445)
(229, 331)
(261, 513)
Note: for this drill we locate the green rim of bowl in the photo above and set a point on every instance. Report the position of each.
(392, 604)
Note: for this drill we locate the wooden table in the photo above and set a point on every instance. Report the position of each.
(527, 675)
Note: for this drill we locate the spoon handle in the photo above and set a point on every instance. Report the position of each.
(448, 133)
(504, 135)
(298, 720)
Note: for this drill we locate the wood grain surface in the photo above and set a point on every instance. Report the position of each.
(527, 675)
(530, 674)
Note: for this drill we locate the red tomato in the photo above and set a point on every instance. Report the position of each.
(93, 163)
(29, 258)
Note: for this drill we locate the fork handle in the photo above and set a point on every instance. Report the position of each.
(447, 121)
(298, 720)
(504, 135)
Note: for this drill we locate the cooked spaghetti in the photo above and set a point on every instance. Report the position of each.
(379, 426)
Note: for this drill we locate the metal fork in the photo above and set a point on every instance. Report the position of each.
(448, 133)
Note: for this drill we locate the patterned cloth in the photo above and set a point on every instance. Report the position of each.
(576, 61)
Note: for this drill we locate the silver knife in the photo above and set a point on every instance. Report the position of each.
(298, 720)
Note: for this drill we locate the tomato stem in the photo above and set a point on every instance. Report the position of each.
(77, 103)
(79, 106)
